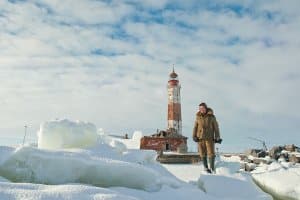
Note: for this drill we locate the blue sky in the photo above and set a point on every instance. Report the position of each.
(108, 62)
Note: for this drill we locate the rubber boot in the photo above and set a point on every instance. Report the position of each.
(212, 164)
(205, 164)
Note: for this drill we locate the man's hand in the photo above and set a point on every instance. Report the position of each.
(196, 139)
(218, 140)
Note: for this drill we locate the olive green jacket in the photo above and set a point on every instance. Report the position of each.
(206, 127)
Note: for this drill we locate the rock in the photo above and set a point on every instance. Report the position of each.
(248, 166)
(290, 147)
(284, 154)
(246, 159)
(259, 160)
(274, 153)
(283, 157)
(294, 158)
(242, 157)
(256, 153)
(262, 154)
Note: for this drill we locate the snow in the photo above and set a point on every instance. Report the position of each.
(185, 192)
(228, 183)
(134, 142)
(5, 152)
(65, 133)
(29, 164)
(131, 174)
(20, 191)
(3, 179)
(231, 188)
(74, 161)
(281, 179)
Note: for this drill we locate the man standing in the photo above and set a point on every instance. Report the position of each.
(206, 134)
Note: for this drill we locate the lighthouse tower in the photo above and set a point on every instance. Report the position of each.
(174, 105)
(172, 138)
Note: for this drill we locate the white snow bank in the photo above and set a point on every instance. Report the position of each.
(282, 182)
(118, 146)
(134, 142)
(5, 153)
(232, 188)
(65, 133)
(140, 156)
(144, 157)
(20, 191)
(187, 192)
(28, 164)
(228, 183)
(228, 166)
(3, 179)
(130, 175)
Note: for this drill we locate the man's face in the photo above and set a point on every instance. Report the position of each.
(202, 109)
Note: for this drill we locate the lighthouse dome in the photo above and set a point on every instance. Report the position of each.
(173, 74)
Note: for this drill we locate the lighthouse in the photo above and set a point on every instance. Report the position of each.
(170, 139)
(174, 104)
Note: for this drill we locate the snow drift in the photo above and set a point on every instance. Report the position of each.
(65, 133)
(279, 179)
(230, 187)
(227, 183)
(134, 172)
(134, 142)
(28, 164)
(21, 191)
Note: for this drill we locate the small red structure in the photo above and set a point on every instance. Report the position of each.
(164, 141)
(171, 139)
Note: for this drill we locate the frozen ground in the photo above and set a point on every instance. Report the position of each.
(104, 167)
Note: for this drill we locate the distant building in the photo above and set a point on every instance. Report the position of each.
(172, 138)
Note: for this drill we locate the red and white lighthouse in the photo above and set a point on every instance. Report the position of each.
(172, 138)
(174, 104)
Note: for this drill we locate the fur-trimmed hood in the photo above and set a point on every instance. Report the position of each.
(209, 112)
